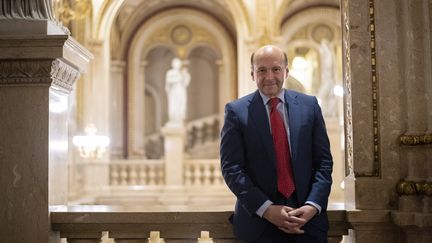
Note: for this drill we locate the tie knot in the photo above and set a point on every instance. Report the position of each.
(274, 102)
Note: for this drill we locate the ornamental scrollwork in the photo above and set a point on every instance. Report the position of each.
(414, 188)
(412, 140)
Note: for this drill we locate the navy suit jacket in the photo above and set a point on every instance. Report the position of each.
(248, 159)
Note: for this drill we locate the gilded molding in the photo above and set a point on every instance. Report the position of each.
(16, 72)
(78, 9)
(405, 188)
(183, 41)
(412, 140)
(375, 88)
(64, 75)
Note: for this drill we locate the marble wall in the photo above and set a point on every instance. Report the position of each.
(387, 55)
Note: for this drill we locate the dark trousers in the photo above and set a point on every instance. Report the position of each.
(272, 234)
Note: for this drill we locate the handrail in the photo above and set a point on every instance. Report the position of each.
(124, 225)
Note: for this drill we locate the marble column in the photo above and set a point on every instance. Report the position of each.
(225, 95)
(97, 81)
(427, 11)
(416, 119)
(39, 63)
(135, 106)
(117, 111)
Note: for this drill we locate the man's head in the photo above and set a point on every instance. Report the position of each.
(269, 69)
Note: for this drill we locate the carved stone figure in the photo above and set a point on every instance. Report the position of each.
(176, 81)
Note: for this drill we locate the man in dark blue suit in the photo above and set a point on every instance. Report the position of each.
(275, 157)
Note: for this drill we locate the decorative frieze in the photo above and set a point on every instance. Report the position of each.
(64, 75)
(414, 188)
(412, 140)
(38, 72)
(25, 72)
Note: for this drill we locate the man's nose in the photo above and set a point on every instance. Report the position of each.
(269, 75)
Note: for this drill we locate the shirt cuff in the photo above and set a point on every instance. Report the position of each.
(318, 207)
(263, 208)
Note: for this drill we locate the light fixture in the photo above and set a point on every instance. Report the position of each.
(338, 90)
(91, 146)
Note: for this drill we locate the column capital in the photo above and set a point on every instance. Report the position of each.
(36, 9)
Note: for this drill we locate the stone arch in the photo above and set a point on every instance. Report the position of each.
(153, 33)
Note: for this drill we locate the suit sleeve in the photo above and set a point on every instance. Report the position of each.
(233, 162)
(321, 159)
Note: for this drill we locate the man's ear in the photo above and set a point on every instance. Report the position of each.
(252, 76)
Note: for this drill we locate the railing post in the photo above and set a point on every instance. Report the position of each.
(205, 237)
(155, 237)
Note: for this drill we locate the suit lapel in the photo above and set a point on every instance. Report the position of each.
(294, 119)
(258, 114)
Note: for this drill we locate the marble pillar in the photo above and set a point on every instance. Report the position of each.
(416, 120)
(173, 195)
(117, 111)
(174, 139)
(39, 63)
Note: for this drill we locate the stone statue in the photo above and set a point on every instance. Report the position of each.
(325, 92)
(176, 81)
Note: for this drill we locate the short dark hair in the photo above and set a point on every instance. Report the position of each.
(284, 54)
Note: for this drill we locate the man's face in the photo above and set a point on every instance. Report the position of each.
(269, 70)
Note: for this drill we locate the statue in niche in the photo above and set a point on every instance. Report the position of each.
(176, 81)
(325, 92)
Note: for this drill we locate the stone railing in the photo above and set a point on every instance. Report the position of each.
(136, 172)
(202, 131)
(202, 173)
(157, 227)
(154, 146)
(198, 132)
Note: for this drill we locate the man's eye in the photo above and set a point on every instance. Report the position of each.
(261, 70)
(277, 69)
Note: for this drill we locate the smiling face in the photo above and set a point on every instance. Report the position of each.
(269, 70)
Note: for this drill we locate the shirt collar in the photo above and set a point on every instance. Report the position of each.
(266, 99)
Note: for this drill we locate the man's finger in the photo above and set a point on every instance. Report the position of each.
(295, 212)
(288, 224)
(294, 219)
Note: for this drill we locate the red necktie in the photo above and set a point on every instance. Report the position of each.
(283, 158)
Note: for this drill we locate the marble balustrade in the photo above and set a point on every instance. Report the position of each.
(136, 172)
(204, 172)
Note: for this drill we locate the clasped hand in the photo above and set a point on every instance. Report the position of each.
(289, 220)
